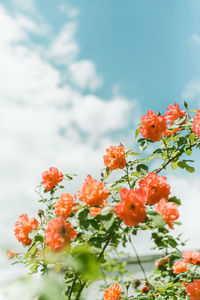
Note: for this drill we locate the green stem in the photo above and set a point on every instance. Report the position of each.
(138, 259)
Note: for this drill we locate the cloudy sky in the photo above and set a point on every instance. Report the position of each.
(75, 77)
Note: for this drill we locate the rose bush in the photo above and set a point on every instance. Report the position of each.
(76, 239)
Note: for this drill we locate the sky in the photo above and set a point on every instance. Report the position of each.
(76, 76)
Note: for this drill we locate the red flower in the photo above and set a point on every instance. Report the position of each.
(65, 204)
(162, 261)
(115, 157)
(191, 257)
(131, 209)
(179, 267)
(196, 124)
(22, 228)
(153, 126)
(112, 293)
(59, 233)
(168, 211)
(93, 192)
(193, 289)
(155, 188)
(145, 289)
(173, 114)
(51, 178)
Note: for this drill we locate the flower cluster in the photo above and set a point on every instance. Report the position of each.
(102, 213)
(188, 257)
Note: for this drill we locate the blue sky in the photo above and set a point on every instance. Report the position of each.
(88, 69)
(144, 48)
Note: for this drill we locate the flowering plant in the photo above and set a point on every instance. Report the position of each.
(76, 235)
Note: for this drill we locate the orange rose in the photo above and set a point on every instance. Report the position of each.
(22, 228)
(113, 292)
(97, 210)
(115, 158)
(168, 211)
(162, 261)
(59, 233)
(196, 124)
(65, 204)
(51, 178)
(173, 114)
(93, 192)
(131, 209)
(193, 289)
(191, 257)
(179, 267)
(11, 254)
(155, 188)
(153, 126)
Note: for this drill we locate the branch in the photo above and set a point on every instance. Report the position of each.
(138, 259)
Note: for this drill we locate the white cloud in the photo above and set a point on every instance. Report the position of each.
(35, 105)
(64, 48)
(83, 74)
(192, 90)
(27, 5)
(195, 39)
(69, 11)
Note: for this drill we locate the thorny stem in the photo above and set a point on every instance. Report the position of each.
(138, 259)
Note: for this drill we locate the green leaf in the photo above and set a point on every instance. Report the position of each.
(85, 263)
(137, 133)
(107, 174)
(142, 169)
(190, 169)
(174, 165)
(157, 219)
(188, 151)
(175, 200)
(182, 164)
